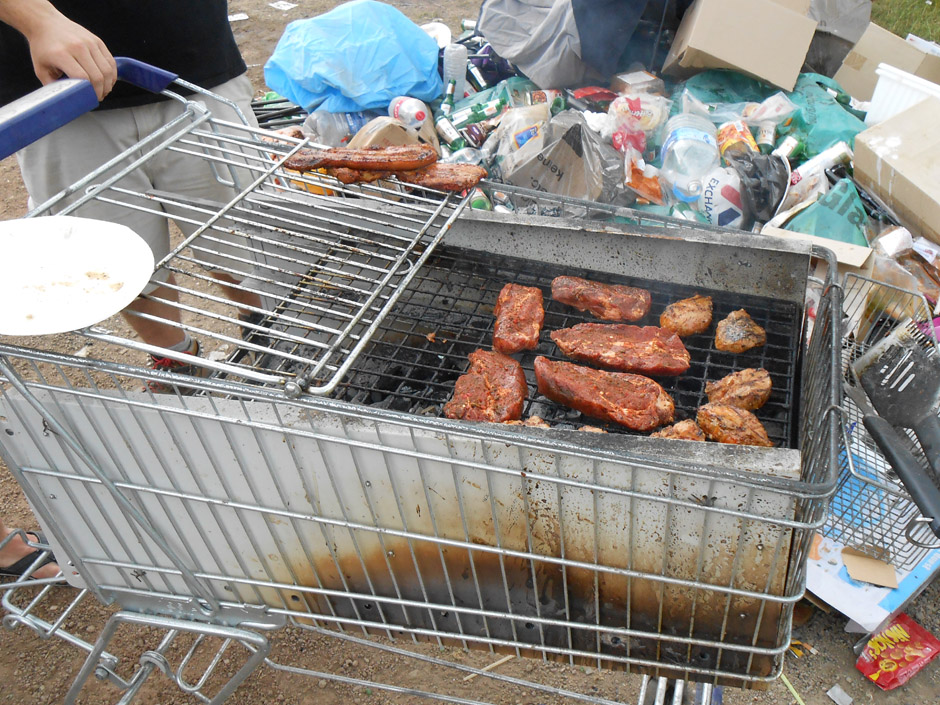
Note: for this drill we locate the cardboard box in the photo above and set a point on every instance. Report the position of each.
(799, 6)
(899, 161)
(761, 38)
(879, 46)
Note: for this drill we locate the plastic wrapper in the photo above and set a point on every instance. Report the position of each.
(642, 178)
(640, 111)
(897, 653)
(775, 108)
(764, 180)
(521, 131)
(574, 161)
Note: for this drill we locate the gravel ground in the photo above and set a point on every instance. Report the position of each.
(34, 670)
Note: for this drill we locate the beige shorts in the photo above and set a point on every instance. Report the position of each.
(65, 156)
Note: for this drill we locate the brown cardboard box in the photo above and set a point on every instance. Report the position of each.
(899, 161)
(879, 46)
(761, 38)
(798, 6)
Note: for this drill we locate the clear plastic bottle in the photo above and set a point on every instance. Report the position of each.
(689, 153)
(413, 113)
(335, 129)
(455, 68)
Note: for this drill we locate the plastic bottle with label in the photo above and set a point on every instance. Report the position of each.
(455, 68)
(689, 153)
(336, 129)
(411, 112)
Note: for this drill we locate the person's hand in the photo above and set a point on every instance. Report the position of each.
(60, 47)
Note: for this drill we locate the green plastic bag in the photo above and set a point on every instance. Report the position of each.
(838, 215)
(721, 86)
(822, 118)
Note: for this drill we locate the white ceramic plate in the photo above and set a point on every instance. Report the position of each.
(59, 273)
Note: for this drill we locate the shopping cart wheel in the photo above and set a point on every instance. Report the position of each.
(668, 691)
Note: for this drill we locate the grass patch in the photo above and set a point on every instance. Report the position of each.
(908, 16)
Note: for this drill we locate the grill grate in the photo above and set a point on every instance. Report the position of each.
(415, 358)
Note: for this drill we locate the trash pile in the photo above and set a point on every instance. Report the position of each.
(758, 145)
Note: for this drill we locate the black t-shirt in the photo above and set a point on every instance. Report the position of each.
(191, 39)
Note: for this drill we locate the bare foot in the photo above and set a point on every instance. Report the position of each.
(17, 548)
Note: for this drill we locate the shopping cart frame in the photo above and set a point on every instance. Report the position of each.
(57, 407)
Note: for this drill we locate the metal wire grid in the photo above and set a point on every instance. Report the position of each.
(871, 510)
(307, 508)
(282, 236)
(447, 312)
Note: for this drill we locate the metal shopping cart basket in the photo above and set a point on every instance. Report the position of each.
(311, 480)
(871, 510)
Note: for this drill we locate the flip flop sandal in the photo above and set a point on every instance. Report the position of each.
(23, 564)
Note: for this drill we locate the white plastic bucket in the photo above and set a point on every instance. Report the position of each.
(896, 91)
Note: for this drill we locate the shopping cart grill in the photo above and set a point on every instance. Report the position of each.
(351, 506)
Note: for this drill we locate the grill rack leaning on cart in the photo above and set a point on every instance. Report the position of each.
(253, 498)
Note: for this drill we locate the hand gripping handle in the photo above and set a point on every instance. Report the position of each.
(46, 109)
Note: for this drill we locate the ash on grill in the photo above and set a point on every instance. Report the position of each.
(421, 348)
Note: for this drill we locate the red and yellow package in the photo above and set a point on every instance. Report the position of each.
(895, 654)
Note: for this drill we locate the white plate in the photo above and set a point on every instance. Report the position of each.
(439, 32)
(59, 273)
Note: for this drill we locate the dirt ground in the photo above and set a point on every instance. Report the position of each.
(39, 671)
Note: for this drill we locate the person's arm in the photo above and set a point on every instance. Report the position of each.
(58, 46)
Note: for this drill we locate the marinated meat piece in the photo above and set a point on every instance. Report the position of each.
(439, 176)
(688, 316)
(633, 401)
(531, 422)
(745, 389)
(519, 316)
(395, 158)
(444, 177)
(592, 429)
(619, 346)
(739, 333)
(609, 302)
(492, 389)
(686, 430)
(729, 424)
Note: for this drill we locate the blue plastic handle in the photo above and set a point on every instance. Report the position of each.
(45, 110)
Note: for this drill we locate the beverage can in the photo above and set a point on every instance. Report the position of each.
(411, 112)
(736, 137)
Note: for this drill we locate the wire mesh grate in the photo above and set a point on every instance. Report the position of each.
(413, 361)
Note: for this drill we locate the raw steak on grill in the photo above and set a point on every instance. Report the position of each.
(519, 315)
(492, 389)
(645, 350)
(630, 400)
(609, 302)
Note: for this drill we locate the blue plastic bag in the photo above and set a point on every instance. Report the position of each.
(357, 56)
